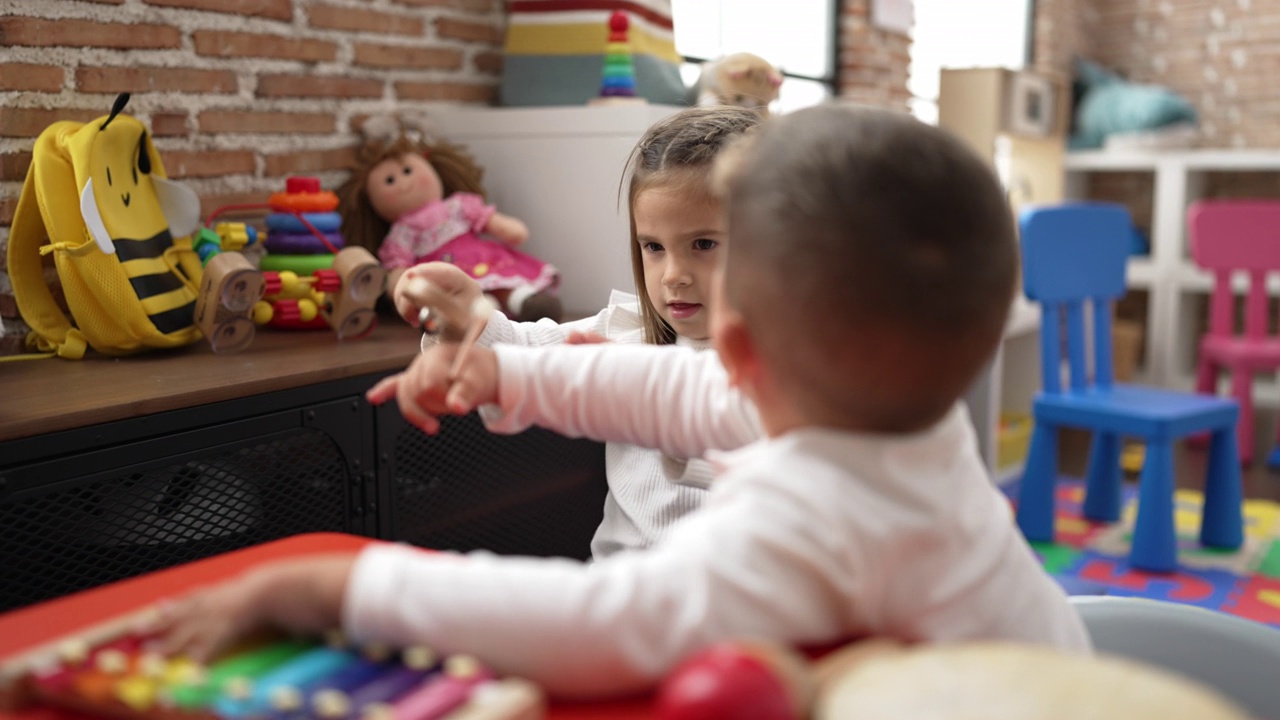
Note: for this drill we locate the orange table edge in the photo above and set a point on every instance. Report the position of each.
(27, 628)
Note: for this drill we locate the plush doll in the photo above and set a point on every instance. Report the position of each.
(414, 199)
(740, 79)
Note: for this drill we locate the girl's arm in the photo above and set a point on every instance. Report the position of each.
(677, 400)
(502, 330)
(451, 292)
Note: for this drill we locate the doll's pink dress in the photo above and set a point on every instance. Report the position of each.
(449, 230)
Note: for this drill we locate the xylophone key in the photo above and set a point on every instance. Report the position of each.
(287, 677)
(508, 699)
(142, 689)
(77, 659)
(287, 698)
(335, 690)
(232, 670)
(385, 689)
(437, 696)
(107, 666)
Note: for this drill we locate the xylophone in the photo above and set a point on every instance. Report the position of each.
(111, 671)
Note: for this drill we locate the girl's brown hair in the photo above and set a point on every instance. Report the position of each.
(678, 152)
(361, 224)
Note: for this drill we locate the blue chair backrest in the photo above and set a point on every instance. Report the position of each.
(1075, 255)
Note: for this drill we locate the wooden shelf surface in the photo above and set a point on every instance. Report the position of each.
(41, 396)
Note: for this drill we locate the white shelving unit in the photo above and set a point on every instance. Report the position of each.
(1168, 274)
(1008, 384)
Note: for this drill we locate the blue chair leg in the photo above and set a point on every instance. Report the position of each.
(1222, 520)
(1103, 492)
(1035, 493)
(1155, 547)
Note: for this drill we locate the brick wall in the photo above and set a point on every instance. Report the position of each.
(238, 93)
(1057, 34)
(1222, 55)
(873, 62)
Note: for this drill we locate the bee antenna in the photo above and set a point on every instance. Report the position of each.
(121, 100)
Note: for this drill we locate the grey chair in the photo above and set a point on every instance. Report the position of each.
(1237, 657)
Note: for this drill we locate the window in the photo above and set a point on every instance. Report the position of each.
(974, 33)
(805, 51)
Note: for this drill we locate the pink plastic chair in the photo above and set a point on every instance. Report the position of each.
(1228, 236)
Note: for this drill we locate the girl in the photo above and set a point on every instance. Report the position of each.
(677, 240)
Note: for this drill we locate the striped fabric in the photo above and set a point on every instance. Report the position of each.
(555, 51)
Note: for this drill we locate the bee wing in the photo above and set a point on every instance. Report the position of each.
(93, 219)
(180, 205)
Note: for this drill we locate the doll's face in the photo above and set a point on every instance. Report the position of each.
(401, 185)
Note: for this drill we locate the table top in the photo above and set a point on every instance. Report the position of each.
(28, 628)
(41, 396)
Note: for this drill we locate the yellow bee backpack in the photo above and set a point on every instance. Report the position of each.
(97, 198)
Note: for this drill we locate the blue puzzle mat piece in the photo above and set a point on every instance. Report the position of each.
(1206, 588)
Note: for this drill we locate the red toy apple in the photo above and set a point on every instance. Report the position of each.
(731, 681)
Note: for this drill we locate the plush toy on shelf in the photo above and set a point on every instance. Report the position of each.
(416, 199)
(740, 79)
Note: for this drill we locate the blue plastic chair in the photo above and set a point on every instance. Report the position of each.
(1073, 256)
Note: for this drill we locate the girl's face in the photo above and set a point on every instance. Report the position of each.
(682, 239)
(397, 186)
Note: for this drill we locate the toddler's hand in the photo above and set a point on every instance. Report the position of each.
(446, 290)
(209, 621)
(426, 389)
(296, 596)
(507, 229)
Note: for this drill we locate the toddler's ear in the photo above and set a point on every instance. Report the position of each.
(735, 346)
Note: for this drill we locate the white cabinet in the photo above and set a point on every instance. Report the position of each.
(559, 169)
(1176, 287)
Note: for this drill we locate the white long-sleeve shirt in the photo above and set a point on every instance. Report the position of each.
(812, 537)
(649, 490)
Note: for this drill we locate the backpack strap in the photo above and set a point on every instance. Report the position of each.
(51, 330)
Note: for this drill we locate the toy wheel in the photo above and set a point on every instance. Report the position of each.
(232, 336)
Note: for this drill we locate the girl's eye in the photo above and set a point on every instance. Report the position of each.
(390, 179)
(704, 244)
(652, 247)
(407, 170)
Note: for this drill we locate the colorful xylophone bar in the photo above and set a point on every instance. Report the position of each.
(115, 675)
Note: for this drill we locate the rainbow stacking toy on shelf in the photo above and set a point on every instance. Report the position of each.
(109, 671)
(618, 85)
(311, 280)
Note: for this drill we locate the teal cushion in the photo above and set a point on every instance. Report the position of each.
(1111, 104)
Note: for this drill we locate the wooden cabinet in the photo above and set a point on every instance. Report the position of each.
(114, 467)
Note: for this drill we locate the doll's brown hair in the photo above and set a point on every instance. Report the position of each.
(678, 151)
(361, 224)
